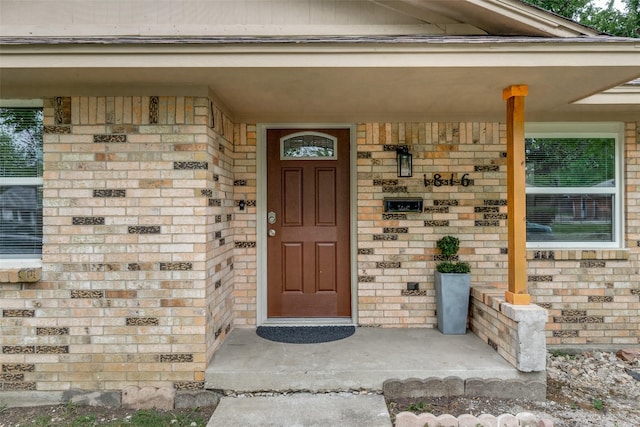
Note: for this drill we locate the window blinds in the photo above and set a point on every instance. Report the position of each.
(20, 182)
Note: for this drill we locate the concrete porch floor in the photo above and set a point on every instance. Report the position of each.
(246, 362)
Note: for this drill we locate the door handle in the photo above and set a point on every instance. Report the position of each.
(272, 232)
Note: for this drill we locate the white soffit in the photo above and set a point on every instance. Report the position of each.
(344, 78)
(341, 82)
(627, 94)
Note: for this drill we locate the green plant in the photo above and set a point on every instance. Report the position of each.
(71, 408)
(416, 407)
(453, 267)
(562, 353)
(449, 246)
(597, 404)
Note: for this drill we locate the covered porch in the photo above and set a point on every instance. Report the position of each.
(364, 361)
(491, 349)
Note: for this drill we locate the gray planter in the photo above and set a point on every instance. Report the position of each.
(452, 302)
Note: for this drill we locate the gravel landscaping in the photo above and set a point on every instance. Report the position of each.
(587, 389)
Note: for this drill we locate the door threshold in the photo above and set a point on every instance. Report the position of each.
(306, 321)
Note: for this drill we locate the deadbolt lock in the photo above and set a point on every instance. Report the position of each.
(271, 217)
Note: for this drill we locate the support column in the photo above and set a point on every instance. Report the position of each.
(516, 196)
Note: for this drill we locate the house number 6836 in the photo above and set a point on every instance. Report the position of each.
(441, 180)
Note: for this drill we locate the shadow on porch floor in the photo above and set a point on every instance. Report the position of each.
(246, 362)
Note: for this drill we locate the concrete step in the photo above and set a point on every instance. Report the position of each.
(302, 410)
(365, 360)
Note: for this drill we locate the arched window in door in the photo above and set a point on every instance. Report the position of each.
(308, 146)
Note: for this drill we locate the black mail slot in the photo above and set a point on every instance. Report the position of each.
(411, 204)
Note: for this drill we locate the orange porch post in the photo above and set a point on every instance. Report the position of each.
(516, 197)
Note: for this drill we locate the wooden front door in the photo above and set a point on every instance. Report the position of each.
(308, 239)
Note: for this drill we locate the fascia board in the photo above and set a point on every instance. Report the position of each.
(621, 95)
(482, 55)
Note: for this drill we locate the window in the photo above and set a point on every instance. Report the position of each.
(20, 180)
(573, 185)
(308, 146)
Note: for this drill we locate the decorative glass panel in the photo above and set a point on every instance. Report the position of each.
(308, 146)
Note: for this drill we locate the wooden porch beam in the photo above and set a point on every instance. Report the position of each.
(516, 196)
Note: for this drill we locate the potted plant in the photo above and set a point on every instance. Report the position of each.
(453, 283)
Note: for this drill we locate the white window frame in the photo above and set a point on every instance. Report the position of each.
(585, 130)
(18, 261)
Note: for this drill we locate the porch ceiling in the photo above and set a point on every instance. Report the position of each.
(340, 83)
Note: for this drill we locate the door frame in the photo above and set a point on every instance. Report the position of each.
(261, 225)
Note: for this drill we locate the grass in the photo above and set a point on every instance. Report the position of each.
(151, 419)
(581, 228)
(140, 418)
(42, 421)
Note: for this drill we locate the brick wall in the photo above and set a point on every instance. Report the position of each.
(137, 280)
(465, 168)
(149, 261)
(220, 236)
(490, 324)
(245, 292)
(593, 296)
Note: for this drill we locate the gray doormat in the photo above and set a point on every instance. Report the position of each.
(305, 334)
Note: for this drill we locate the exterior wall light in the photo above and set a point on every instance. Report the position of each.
(404, 158)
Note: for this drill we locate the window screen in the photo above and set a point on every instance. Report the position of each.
(20, 182)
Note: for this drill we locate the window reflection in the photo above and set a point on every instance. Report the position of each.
(570, 217)
(20, 220)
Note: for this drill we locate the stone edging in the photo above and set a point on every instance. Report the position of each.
(523, 419)
(432, 387)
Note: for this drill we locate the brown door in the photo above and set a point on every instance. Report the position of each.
(308, 223)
